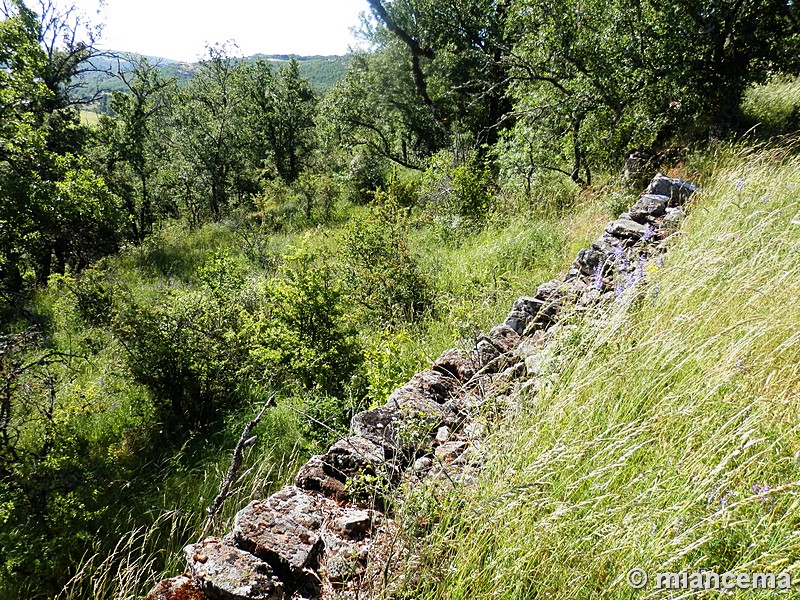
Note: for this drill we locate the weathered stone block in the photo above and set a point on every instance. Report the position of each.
(177, 588)
(404, 428)
(282, 531)
(425, 385)
(347, 458)
(316, 476)
(648, 206)
(626, 229)
(676, 190)
(352, 524)
(455, 363)
(225, 572)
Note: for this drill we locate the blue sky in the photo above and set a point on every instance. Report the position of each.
(180, 29)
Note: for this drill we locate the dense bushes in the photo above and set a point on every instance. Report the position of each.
(381, 271)
(302, 332)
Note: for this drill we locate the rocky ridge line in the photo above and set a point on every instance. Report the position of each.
(314, 538)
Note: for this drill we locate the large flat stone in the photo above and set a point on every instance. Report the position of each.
(626, 229)
(405, 428)
(282, 530)
(648, 206)
(429, 384)
(455, 363)
(225, 572)
(316, 475)
(676, 190)
(500, 340)
(346, 459)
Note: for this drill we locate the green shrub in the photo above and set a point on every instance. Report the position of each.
(392, 358)
(94, 294)
(318, 192)
(457, 188)
(186, 345)
(367, 173)
(382, 274)
(302, 333)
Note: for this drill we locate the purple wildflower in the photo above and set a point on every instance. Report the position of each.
(598, 277)
(648, 233)
(640, 266)
(740, 184)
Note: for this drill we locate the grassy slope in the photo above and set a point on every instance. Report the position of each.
(475, 280)
(666, 436)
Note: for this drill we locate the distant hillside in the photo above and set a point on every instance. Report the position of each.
(321, 71)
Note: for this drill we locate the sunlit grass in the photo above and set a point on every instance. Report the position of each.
(90, 118)
(666, 436)
(774, 106)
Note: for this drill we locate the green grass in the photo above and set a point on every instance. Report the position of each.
(665, 435)
(156, 504)
(90, 118)
(150, 535)
(773, 108)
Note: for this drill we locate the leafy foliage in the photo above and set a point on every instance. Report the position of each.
(304, 334)
(381, 271)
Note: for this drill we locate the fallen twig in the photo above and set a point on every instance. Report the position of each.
(236, 463)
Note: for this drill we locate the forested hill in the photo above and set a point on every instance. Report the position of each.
(322, 72)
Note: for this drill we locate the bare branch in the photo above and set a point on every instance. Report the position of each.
(236, 463)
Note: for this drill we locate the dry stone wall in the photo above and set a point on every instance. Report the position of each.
(317, 536)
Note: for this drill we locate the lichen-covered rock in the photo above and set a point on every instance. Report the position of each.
(344, 560)
(647, 207)
(626, 229)
(425, 385)
(353, 455)
(316, 475)
(282, 530)
(673, 217)
(346, 459)
(504, 338)
(500, 340)
(408, 427)
(352, 524)
(676, 190)
(539, 310)
(455, 363)
(225, 572)
(177, 588)
(589, 260)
